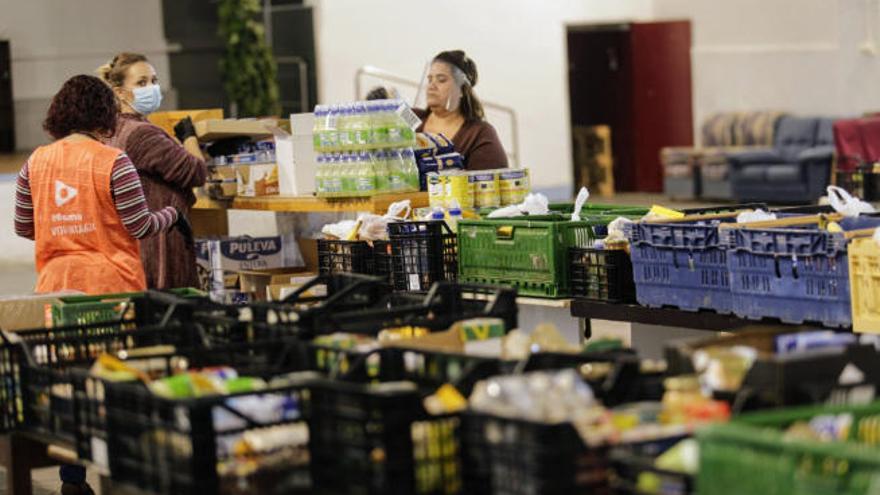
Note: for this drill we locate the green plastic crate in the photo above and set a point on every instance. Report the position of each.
(590, 209)
(529, 254)
(87, 310)
(751, 456)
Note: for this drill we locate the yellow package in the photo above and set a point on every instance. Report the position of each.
(436, 190)
(662, 211)
(459, 188)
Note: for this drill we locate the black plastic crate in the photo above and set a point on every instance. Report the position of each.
(168, 446)
(366, 307)
(602, 275)
(422, 252)
(378, 439)
(336, 256)
(35, 370)
(261, 356)
(383, 262)
(812, 377)
(634, 460)
(525, 457)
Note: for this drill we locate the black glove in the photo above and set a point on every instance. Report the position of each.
(185, 228)
(184, 129)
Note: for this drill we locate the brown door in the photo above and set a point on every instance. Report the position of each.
(662, 96)
(635, 78)
(600, 79)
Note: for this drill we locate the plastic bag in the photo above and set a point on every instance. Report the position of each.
(616, 229)
(534, 204)
(399, 210)
(340, 230)
(843, 202)
(582, 197)
(754, 216)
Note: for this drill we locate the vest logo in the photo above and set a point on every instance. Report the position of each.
(64, 193)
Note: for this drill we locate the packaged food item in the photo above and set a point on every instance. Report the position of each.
(436, 189)
(487, 192)
(514, 186)
(459, 188)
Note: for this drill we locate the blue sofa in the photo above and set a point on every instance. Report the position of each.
(797, 169)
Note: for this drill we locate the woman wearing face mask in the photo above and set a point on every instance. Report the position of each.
(456, 112)
(168, 170)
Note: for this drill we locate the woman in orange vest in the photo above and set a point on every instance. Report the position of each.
(83, 204)
(82, 201)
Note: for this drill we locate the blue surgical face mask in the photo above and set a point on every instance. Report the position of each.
(146, 99)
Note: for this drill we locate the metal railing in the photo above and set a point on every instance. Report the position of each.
(511, 148)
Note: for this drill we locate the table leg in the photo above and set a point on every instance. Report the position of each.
(586, 325)
(19, 456)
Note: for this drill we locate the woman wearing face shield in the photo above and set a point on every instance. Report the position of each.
(168, 170)
(456, 112)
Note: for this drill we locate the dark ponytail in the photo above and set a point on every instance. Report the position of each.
(470, 105)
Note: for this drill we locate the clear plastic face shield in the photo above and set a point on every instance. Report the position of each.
(440, 86)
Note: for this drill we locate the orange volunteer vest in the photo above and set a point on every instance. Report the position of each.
(81, 244)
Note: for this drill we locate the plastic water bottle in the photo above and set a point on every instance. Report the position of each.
(359, 125)
(346, 131)
(453, 216)
(331, 175)
(319, 128)
(366, 177)
(409, 169)
(396, 177)
(380, 167)
(320, 177)
(400, 133)
(330, 130)
(349, 175)
(378, 129)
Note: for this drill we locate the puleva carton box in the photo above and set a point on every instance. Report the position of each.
(217, 258)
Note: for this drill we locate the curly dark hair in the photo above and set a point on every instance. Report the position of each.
(83, 104)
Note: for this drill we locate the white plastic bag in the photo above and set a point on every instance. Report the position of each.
(579, 202)
(399, 210)
(615, 229)
(754, 216)
(534, 204)
(340, 230)
(843, 202)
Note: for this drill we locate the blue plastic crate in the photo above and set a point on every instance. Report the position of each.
(797, 274)
(681, 264)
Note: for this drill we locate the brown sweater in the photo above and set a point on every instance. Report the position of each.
(477, 141)
(168, 174)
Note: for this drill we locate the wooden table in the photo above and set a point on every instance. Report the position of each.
(667, 317)
(209, 217)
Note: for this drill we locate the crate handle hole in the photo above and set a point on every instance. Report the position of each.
(776, 266)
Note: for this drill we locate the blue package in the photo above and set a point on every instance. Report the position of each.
(793, 343)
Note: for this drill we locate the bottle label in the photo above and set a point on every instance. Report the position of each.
(409, 117)
(366, 184)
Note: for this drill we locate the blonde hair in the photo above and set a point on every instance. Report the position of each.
(113, 72)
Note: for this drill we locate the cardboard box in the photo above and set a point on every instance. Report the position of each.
(219, 261)
(280, 287)
(221, 172)
(167, 120)
(257, 283)
(29, 311)
(216, 129)
(258, 179)
(296, 156)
